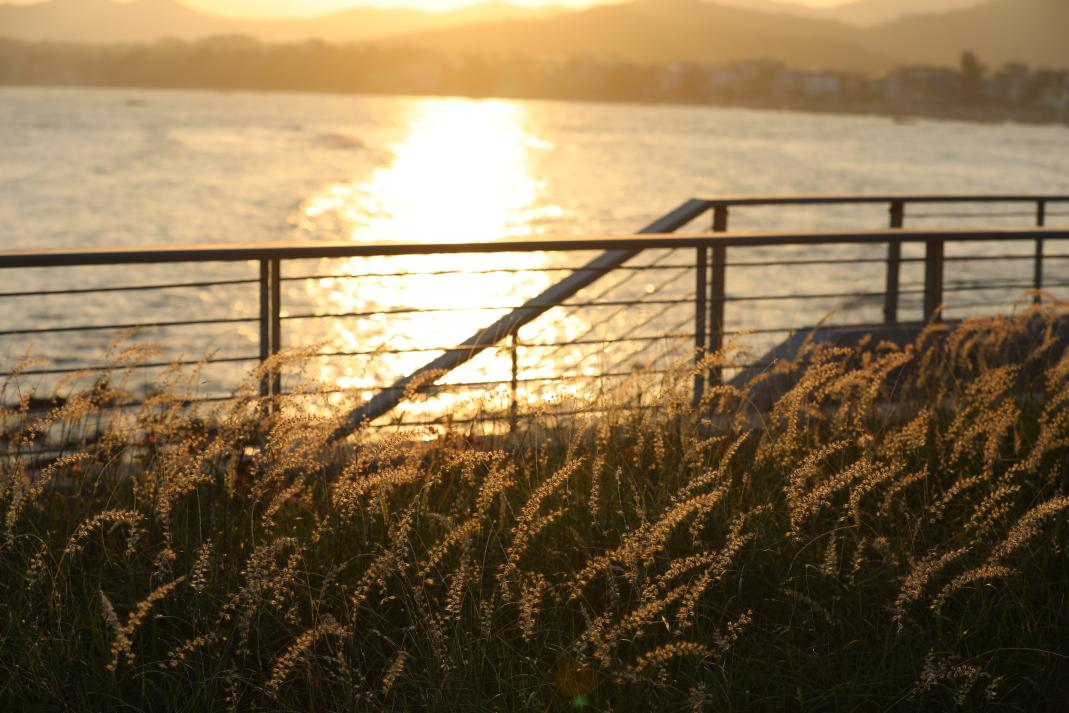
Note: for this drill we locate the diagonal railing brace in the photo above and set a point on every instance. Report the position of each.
(390, 397)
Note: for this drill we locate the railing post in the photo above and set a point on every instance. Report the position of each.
(701, 310)
(933, 279)
(720, 219)
(894, 265)
(265, 323)
(718, 293)
(276, 321)
(514, 403)
(270, 323)
(1041, 222)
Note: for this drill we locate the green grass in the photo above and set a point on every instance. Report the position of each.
(891, 535)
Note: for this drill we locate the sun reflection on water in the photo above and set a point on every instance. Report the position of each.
(463, 173)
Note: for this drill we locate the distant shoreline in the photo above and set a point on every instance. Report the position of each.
(872, 109)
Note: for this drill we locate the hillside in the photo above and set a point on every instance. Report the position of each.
(106, 21)
(1033, 31)
(999, 31)
(668, 31)
(875, 12)
(148, 20)
(858, 12)
(641, 31)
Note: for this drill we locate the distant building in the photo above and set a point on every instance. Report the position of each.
(755, 78)
(1052, 90)
(924, 85)
(789, 84)
(1056, 97)
(823, 85)
(1012, 84)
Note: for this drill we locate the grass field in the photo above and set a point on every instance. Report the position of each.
(891, 535)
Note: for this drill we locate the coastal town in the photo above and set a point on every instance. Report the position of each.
(1013, 91)
(971, 90)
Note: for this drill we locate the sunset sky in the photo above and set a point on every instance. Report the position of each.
(294, 8)
(314, 7)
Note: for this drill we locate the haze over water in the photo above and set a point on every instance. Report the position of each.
(93, 168)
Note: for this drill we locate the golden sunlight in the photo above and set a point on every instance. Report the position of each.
(462, 173)
(311, 8)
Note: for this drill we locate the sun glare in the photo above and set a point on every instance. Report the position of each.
(461, 174)
(311, 8)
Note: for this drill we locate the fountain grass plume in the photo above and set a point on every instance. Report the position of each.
(890, 533)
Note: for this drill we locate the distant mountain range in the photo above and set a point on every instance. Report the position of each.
(864, 35)
(999, 31)
(863, 13)
(655, 31)
(1033, 31)
(148, 20)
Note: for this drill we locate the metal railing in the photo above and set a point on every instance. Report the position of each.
(711, 265)
(703, 331)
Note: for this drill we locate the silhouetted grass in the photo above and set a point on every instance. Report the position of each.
(891, 535)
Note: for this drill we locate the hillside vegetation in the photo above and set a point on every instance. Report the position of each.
(891, 536)
(1032, 31)
(864, 36)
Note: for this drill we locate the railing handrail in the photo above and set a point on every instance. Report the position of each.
(710, 247)
(852, 199)
(238, 252)
(645, 241)
(510, 324)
